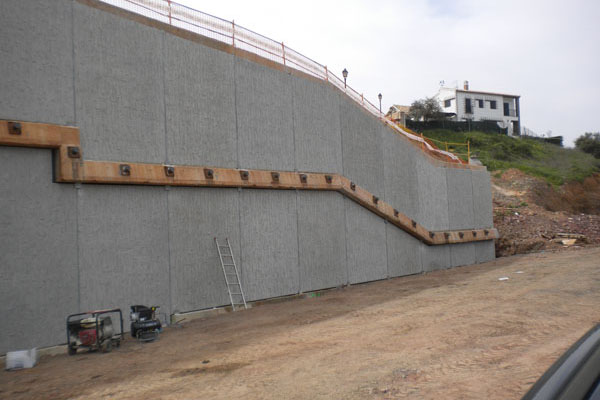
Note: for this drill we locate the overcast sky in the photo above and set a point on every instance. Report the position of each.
(546, 51)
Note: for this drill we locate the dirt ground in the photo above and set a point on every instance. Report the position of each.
(459, 333)
(526, 226)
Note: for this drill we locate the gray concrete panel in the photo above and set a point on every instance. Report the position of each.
(118, 87)
(485, 251)
(36, 60)
(123, 247)
(400, 173)
(433, 195)
(38, 251)
(435, 257)
(460, 198)
(269, 237)
(403, 252)
(200, 104)
(361, 147)
(317, 126)
(264, 117)
(482, 200)
(196, 217)
(462, 254)
(321, 240)
(366, 245)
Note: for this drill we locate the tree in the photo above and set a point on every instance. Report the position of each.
(589, 143)
(426, 109)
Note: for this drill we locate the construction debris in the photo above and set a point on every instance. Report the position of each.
(577, 236)
(535, 228)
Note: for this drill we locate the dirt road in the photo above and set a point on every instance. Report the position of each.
(459, 333)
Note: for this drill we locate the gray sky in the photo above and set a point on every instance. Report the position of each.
(546, 51)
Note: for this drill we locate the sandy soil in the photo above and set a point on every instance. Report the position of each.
(458, 333)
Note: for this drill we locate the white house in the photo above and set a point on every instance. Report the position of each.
(464, 104)
(398, 114)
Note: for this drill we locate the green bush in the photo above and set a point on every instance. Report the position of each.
(589, 143)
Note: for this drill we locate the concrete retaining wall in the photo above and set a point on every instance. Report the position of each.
(322, 256)
(119, 87)
(199, 104)
(36, 60)
(123, 241)
(139, 93)
(39, 274)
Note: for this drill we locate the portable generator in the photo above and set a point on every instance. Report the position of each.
(93, 330)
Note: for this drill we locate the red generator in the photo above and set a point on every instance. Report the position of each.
(93, 330)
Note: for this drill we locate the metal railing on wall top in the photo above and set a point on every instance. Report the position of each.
(228, 32)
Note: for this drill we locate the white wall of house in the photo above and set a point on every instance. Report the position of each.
(457, 105)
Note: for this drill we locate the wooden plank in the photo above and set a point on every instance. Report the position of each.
(67, 169)
(37, 135)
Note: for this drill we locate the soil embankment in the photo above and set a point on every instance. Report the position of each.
(531, 216)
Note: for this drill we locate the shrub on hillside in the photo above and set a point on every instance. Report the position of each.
(589, 143)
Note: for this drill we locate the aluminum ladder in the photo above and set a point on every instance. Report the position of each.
(232, 277)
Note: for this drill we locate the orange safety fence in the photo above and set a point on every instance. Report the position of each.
(449, 146)
(228, 32)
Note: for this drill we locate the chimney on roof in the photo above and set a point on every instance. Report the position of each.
(466, 85)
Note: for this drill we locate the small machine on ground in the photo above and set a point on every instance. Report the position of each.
(93, 330)
(145, 326)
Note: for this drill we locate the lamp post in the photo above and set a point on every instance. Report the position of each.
(379, 96)
(345, 75)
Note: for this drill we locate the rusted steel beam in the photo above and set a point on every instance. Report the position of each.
(71, 167)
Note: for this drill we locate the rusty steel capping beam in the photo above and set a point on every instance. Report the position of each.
(72, 168)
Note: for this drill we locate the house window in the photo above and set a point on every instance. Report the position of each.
(480, 102)
(468, 109)
(493, 104)
(447, 103)
(506, 109)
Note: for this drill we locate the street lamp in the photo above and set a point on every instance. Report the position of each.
(345, 75)
(379, 96)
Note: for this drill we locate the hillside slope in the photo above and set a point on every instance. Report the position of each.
(554, 164)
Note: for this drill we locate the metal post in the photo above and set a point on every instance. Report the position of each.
(326, 75)
(283, 52)
(169, 3)
(233, 33)
(468, 152)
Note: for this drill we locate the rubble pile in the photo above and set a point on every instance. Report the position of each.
(528, 227)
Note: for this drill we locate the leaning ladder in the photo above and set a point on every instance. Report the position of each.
(232, 277)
